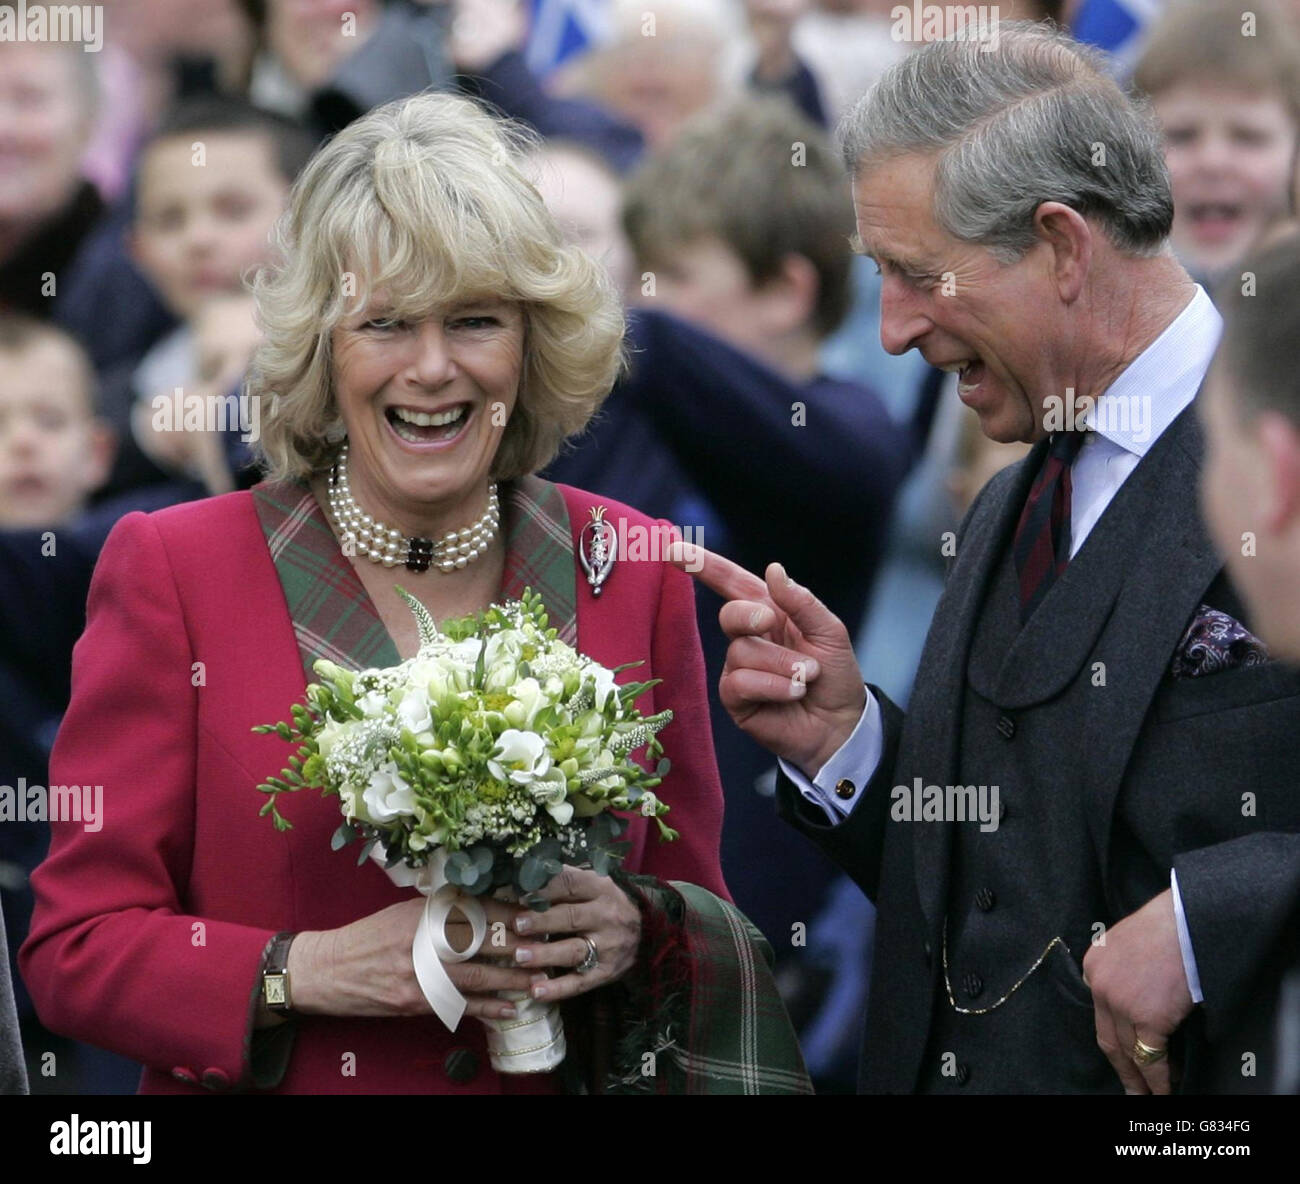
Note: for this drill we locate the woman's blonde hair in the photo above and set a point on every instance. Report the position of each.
(425, 199)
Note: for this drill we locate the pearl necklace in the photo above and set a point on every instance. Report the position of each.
(362, 535)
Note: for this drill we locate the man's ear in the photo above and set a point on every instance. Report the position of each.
(1068, 234)
(790, 296)
(1278, 441)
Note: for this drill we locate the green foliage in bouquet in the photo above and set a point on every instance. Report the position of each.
(498, 743)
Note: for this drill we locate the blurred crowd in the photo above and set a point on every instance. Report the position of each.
(687, 144)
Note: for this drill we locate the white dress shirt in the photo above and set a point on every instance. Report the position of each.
(1126, 420)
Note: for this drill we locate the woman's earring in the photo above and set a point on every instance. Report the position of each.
(336, 433)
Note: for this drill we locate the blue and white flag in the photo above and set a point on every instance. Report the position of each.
(562, 29)
(1117, 26)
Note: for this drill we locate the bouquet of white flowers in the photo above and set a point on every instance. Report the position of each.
(483, 764)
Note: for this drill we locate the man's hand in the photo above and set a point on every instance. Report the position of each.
(791, 679)
(1139, 990)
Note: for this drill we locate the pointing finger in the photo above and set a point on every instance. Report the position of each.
(729, 580)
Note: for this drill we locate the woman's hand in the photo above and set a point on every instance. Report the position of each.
(583, 904)
(366, 969)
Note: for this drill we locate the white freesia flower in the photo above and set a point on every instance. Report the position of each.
(503, 647)
(603, 678)
(528, 701)
(413, 711)
(374, 704)
(522, 757)
(465, 653)
(430, 674)
(388, 796)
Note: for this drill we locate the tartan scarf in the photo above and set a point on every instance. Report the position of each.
(333, 615)
(699, 1013)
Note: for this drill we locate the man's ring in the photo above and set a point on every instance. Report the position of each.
(1144, 1054)
(592, 960)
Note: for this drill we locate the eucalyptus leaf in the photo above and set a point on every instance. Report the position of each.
(532, 874)
(457, 868)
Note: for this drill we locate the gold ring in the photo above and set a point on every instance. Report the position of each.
(1144, 1054)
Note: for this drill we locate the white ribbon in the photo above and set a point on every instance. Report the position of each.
(431, 948)
(532, 1042)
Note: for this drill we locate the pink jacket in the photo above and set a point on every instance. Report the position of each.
(148, 933)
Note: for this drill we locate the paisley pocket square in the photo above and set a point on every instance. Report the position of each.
(1214, 642)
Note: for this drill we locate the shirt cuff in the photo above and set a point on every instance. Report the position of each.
(838, 783)
(1185, 942)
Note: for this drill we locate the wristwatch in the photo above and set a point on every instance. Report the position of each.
(275, 975)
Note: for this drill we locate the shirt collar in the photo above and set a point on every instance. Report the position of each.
(1161, 381)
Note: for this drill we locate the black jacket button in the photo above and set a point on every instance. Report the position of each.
(985, 899)
(963, 1073)
(1007, 726)
(972, 984)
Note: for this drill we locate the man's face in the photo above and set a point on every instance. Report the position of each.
(200, 227)
(1229, 154)
(965, 311)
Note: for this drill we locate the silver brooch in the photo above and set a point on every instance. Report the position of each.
(597, 549)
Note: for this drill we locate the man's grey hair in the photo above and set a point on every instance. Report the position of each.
(1028, 118)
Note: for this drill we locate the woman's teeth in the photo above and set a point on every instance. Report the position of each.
(419, 427)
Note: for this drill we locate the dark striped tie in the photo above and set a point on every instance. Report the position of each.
(1042, 542)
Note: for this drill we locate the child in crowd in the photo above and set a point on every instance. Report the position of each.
(54, 450)
(210, 184)
(1226, 87)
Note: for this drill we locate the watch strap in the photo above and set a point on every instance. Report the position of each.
(275, 975)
